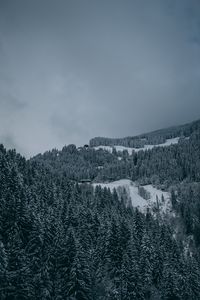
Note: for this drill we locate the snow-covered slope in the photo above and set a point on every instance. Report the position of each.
(146, 147)
(156, 200)
(130, 188)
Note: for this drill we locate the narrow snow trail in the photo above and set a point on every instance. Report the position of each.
(168, 142)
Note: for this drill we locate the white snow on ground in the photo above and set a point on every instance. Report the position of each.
(146, 147)
(158, 201)
(100, 167)
(130, 188)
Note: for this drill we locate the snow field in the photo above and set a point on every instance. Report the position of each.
(158, 200)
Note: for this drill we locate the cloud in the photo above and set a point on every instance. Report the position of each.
(72, 70)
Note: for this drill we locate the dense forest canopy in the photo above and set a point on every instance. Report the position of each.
(61, 238)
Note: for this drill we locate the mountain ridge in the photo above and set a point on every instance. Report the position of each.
(153, 137)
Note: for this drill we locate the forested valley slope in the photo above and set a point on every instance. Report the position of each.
(114, 219)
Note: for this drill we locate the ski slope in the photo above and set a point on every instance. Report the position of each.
(168, 142)
(159, 201)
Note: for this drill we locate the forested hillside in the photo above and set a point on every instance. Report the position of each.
(155, 137)
(62, 238)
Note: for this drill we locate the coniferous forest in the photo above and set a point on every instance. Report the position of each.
(63, 239)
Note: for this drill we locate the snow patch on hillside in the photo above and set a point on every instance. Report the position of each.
(160, 200)
(130, 188)
(168, 142)
(100, 167)
(157, 201)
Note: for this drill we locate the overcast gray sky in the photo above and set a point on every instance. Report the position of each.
(74, 69)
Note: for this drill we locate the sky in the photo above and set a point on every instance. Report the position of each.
(71, 70)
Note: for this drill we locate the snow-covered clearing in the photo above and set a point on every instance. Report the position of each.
(168, 142)
(156, 200)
